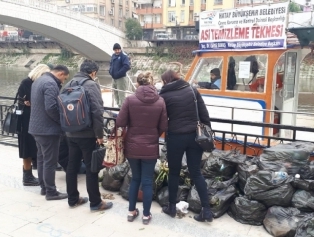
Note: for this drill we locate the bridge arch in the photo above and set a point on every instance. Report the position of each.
(85, 35)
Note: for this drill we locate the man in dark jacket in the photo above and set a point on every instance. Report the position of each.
(215, 80)
(83, 143)
(119, 65)
(45, 126)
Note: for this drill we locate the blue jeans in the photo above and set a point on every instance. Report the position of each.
(177, 144)
(142, 172)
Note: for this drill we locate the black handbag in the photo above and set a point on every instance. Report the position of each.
(98, 158)
(11, 118)
(204, 133)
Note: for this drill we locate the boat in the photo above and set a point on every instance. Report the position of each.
(260, 110)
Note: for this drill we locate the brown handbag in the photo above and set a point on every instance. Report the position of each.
(115, 148)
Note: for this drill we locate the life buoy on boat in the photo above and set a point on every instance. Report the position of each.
(260, 81)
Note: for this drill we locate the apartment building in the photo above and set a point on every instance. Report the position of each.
(112, 12)
(242, 3)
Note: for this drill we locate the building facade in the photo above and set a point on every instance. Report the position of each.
(174, 19)
(112, 12)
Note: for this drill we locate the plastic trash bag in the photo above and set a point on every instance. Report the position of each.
(303, 200)
(245, 171)
(282, 222)
(307, 171)
(182, 207)
(307, 185)
(217, 184)
(194, 200)
(221, 200)
(109, 183)
(263, 181)
(163, 195)
(306, 227)
(280, 196)
(290, 157)
(307, 146)
(234, 156)
(124, 190)
(247, 211)
(119, 171)
(215, 167)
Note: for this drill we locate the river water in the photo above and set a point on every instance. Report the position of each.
(10, 78)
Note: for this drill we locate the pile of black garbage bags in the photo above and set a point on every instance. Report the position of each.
(275, 189)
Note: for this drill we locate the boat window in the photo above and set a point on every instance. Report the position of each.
(247, 73)
(207, 73)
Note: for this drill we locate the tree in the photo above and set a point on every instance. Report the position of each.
(133, 28)
(294, 7)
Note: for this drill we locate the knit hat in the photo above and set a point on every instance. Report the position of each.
(216, 72)
(116, 46)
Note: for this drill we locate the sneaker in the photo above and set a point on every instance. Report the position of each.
(81, 201)
(131, 217)
(146, 219)
(57, 196)
(102, 206)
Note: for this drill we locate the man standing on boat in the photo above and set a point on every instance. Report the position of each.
(119, 65)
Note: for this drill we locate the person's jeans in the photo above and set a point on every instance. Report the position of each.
(79, 147)
(47, 158)
(120, 84)
(177, 144)
(142, 172)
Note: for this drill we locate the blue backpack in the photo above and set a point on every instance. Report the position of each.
(74, 107)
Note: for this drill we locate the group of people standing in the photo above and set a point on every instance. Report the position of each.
(146, 115)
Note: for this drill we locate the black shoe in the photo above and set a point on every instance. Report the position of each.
(57, 196)
(205, 215)
(43, 192)
(102, 206)
(170, 210)
(58, 168)
(29, 179)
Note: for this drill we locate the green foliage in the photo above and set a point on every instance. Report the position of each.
(294, 7)
(133, 29)
(66, 54)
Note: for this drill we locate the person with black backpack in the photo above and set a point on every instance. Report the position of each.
(81, 116)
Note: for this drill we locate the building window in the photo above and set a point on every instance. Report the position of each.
(204, 1)
(112, 22)
(102, 10)
(171, 16)
(127, 13)
(182, 16)
(120, 24)
(171, 3)
(191, 16)
(218, 2)
(182, 3)
(127, 2)
(191, 2)
(120, 12)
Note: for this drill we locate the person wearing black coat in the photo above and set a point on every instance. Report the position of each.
(180, 139)
(26, 142)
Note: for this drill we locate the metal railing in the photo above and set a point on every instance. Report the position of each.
(68, 13)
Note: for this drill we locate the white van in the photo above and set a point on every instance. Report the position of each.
(162, 36)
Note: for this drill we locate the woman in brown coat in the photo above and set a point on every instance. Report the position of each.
(144, 114)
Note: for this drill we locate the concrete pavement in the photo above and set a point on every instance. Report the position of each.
(24, 212)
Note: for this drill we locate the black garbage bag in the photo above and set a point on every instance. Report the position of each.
(109, 183)
(306, 227)
(194, 200)
(124, 190)
(221, 200)
(303, 200)
(119, 171)
(280, 196)
(307, 146)
(282, 222)
(217, 184)
(307, 171)
(307, 185)
(289, 157)
(263, 181)
(247, 211)
(246, 170)
(215, 167)
(234, 156)
(163, 195)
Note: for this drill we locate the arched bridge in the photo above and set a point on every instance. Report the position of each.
(85, 35)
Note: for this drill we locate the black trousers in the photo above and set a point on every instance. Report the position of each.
(79, 147)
